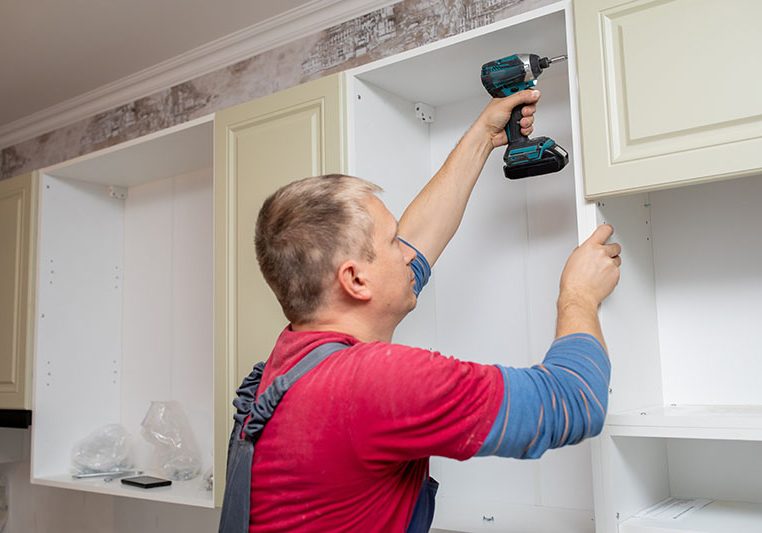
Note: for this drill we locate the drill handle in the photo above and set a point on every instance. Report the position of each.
(513, 128)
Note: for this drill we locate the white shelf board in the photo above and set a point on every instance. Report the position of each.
(451, 68)
(717, 517)
(189, 492)
(732, 422)
(171, 152)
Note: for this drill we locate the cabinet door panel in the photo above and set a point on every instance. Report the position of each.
(260, 146)
(16, 277)
(669, 92)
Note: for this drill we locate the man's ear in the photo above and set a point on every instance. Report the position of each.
(353, 280)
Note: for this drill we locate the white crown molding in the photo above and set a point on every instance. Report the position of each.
(305, 20)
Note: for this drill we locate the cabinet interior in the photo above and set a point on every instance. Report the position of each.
(492, 295)
(125, 304)
(649, 470)
(681, 324)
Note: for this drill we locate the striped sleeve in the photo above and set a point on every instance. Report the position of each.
(420, 266)
(559, 402)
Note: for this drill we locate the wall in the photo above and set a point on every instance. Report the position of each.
(382, 33)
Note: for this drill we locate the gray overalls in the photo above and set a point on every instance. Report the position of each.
(236, 503)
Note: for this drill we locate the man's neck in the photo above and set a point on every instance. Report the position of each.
(363, 330)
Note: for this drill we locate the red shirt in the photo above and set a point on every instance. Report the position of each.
(349, 445)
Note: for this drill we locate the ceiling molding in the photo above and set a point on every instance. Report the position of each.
(304, 20)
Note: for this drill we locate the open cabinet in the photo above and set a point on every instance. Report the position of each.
(124, 304)
(493, 292)
(685, 411)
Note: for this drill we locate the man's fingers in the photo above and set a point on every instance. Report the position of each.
(617, 261)
(526, 122)
(529, 96)
(601, 234)
(528, 110)
(613, 249)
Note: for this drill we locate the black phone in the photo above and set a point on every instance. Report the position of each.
(146, 482)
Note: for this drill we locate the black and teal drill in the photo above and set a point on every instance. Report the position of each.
(524, 157)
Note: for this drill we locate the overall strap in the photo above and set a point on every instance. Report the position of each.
(264, 408)
(235, 516)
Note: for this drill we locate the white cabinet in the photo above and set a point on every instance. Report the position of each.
(124, 303)
(669, 92)
(685, 409)
(492, 295)
(148, 287)
(685, 357)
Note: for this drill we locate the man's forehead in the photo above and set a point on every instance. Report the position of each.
(379, 211)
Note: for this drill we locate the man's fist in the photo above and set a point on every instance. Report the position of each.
(592, 270)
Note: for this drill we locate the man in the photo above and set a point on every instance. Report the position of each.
(349, 447)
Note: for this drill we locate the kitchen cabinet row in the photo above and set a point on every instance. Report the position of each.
(131, 275)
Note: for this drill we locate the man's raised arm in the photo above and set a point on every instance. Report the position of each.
(432, 218)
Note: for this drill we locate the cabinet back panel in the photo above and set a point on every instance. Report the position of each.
(392, 150)
(723, 470)
(168, 304)
(707, 256)
(493, 292)
(79, 344)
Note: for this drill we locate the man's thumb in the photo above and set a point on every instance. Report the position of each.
(601, 234)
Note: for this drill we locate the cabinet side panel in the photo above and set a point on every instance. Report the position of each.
(79, 319)
(628, 316)
(637, 473)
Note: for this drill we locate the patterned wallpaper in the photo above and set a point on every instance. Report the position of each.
(381, 33)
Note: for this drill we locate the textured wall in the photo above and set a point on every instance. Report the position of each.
(379, 34)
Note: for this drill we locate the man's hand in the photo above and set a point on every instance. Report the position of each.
(590, 274)
(497, 113)
(444, 198)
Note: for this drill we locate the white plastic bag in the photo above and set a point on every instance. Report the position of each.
(166, 427)
(107, 449)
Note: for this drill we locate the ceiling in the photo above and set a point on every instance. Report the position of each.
(53, 50)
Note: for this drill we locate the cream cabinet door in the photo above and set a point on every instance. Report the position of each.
(260, 146)
(670, 92)
(17, 278)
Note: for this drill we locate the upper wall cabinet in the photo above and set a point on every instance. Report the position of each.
(669, 92)
(124, 312)
(260, 146)
(17, 226)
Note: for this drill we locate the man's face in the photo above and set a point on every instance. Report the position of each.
(391, 277)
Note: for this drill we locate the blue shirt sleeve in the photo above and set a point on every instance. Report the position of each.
(421, 268)
(556, 403)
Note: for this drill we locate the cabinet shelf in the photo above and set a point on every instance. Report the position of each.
(191, 492)
(716, 517)
(727, 422)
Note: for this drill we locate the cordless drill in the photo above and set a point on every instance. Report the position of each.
(524, 157)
